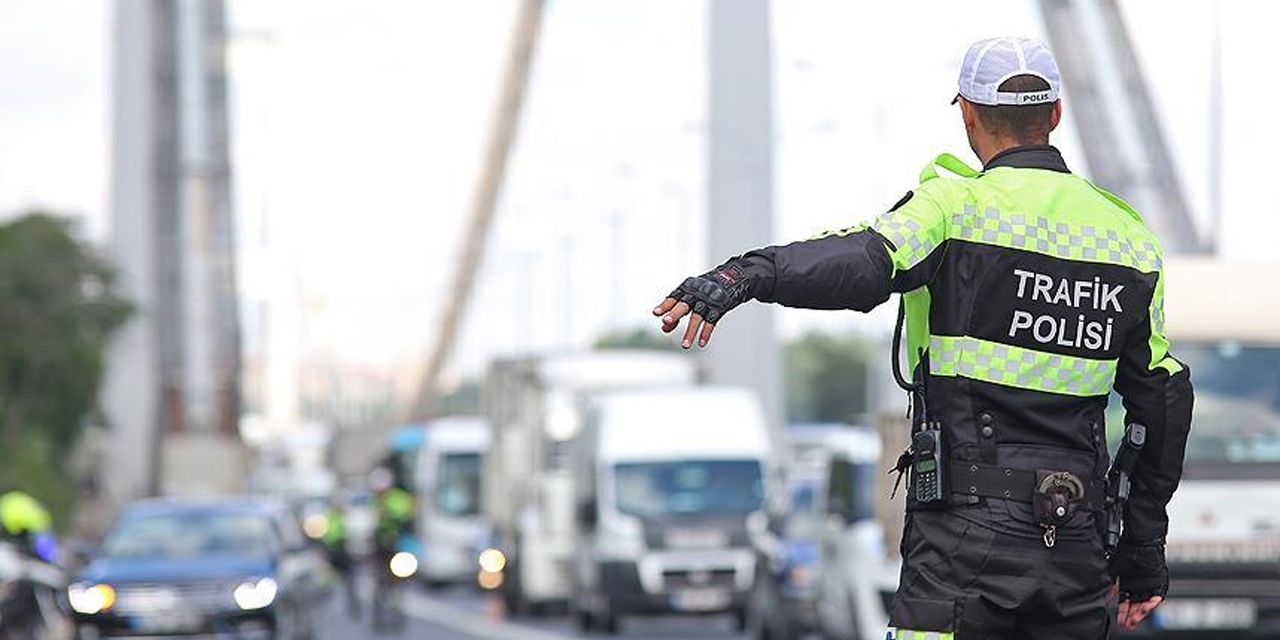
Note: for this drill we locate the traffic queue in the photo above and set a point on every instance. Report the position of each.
(563, 497)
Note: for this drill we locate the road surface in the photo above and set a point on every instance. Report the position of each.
(465, 614)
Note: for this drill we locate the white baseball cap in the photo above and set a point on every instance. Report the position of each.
(992, 61)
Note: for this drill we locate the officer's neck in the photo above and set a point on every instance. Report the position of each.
(988, 147)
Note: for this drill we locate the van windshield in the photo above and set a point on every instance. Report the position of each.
(458, 484)
(1237, 408)
(689, 487)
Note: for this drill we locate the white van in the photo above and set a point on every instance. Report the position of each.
(665, 483)
(536, 407)
(450, 525)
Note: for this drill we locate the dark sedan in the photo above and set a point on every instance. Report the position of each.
(237, 568)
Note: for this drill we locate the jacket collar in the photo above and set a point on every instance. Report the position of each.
(1031, 156)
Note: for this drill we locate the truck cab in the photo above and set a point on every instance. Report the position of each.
(450, 525)
(666, 484)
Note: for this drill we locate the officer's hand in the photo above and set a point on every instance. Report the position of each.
(705, 299)
(1131, 612)
(1142, 579)
(676, 310)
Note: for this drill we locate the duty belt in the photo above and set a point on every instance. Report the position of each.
(1003, 482)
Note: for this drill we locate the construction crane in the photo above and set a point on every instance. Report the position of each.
(457, 296)
(1113, 111)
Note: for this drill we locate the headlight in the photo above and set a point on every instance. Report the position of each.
(620, 537)
(489, 580)
(315, 526)
(255, 594)
(403, 564)
(799, 576)
(91, 599)
(493, 561)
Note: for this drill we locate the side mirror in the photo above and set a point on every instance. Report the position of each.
(837, 509)
(587, 515)
(78, 554)
(759, 523)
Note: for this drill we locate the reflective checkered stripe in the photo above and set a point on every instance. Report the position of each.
(908, 634)
(1059, 239)
(1012, 366)
(1157, 341)
(912, 241)
(840, 233)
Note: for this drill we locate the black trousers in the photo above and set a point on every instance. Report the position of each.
(982, 584)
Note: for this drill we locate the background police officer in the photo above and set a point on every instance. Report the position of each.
(27, 523)
(1029, 294)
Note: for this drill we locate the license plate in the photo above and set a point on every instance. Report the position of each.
(1206, 613)
(701, 600)
(167, 622)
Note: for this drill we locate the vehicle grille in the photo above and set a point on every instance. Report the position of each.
(673, 579)
(152, 598)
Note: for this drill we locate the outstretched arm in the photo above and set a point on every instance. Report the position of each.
(855, 268)
(850, 271)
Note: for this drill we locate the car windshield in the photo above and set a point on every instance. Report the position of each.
(689, 487)
(1237, 409)
(458, 484)
(802, 521)
(190, 535)
(859, 495)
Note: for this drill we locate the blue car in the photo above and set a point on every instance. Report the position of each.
(783, 600)
(235, 568)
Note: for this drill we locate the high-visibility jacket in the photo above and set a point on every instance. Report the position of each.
(1030, 294)
(335, 530)
(395, 515)
(21, 514)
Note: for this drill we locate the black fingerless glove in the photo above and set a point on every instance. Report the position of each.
(1140, 570)
(714, 293)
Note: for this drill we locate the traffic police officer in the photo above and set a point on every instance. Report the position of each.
(25, 521)
(1029, 294)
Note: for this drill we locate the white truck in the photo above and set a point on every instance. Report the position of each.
(666, 482)
(535, 407)
(450, 526)
(1224, 521)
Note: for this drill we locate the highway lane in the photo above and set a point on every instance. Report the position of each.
(464, 614)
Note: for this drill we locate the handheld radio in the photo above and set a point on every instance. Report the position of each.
(926, 459)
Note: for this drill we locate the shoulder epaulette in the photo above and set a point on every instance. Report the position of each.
(950, 163)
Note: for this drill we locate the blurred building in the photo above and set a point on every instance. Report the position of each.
(171, 393)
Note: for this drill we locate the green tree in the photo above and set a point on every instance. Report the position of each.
(465, 400)
(635, 339)
(60, 304)
(826, 377)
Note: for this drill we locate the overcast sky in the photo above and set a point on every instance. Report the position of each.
(358, 128)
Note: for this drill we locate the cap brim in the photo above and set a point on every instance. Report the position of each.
(955, 99)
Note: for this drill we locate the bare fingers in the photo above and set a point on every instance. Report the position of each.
(672, 318)
(664, 306)
(691, 331)
(672, 311)
(1132, 613)
(707, 328)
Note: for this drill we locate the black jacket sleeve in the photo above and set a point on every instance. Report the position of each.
(1157, 392)
(839, 271)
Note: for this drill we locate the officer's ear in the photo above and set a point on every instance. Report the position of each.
(1055, 115)
(969, 114)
